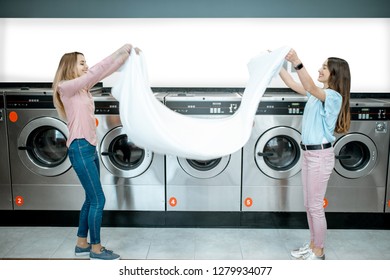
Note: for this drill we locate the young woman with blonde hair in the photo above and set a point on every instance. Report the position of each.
(73, 101)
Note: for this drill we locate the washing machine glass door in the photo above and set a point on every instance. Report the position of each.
(277, 152)
(42, 146)
(204, 169)
(121, 157)
(356, 155)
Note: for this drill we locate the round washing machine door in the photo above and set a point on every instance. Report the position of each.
(42, 146)
(356, 155)
(121, 157)
(204, 169)
(277, 152)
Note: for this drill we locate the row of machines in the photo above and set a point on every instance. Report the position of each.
(264, 175)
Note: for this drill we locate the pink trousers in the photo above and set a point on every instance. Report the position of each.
(317, 165)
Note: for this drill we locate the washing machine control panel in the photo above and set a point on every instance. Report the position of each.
(280, 108)
(107, 107)
(41, 101)
(203, 107)
(370, 113)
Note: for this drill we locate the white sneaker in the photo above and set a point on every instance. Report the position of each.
(297, 253)
(309, 255)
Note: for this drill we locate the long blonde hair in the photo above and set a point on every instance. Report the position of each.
(340, 81)
(65, 71)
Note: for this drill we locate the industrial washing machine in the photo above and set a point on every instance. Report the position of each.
(41, 173)
(358, 182)
(5, 174)
(271, 177)
(210, 185)
(132, 178)
(387, 200)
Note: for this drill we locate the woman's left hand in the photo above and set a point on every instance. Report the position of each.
(293, 57)
(137, 50)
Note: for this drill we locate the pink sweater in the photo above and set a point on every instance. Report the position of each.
(78, 101)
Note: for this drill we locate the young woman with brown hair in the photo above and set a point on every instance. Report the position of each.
(326, 112)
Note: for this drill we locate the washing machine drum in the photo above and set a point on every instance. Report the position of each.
(277, 153)
(204, 169)
(356, 155)
(121, 157)
(42, 147)
(47, 146)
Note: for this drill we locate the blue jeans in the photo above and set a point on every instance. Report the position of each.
(85, 162)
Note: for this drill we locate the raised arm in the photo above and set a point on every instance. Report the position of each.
(290, 82)
(98, 72)
(304, 77)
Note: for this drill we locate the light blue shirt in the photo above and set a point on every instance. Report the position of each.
(319, 118)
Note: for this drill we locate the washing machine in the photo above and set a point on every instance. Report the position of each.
(387, 200)
(41, 173)
(271, 167)
(358, 182)
(132, 178)
(210, 185)
(5, 173)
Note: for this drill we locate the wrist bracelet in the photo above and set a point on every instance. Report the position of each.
(298, 67)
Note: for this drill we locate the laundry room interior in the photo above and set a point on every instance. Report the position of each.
(197, 67)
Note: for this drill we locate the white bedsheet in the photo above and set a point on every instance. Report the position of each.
(151, 125)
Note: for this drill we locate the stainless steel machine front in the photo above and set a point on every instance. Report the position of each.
(271, 177)
(41, 173)
(358, 182)
(5, 173)
(133, 178)
(210, 185)
(387, 200)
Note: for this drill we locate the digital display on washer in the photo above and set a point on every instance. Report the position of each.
(29, 102)
(106, 107)
(203, 107)
(280, 108)
(370, 113)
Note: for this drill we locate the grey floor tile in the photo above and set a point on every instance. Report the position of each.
(218, 249)
(172, 249)
(38, 242)
(172, 243)
(9, 238)
(263, 249)
(218, 244)
(193, 243)
(217, 234)
(186, 234)
(262, 244)
(330, 253)
(130, 248)
(355, 245)
(129, 243)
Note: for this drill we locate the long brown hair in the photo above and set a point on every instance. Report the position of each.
(340, 81)
(65, 71)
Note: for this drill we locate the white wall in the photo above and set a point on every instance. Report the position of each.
(197, 52)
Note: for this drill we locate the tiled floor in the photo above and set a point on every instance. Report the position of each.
(193, 243)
